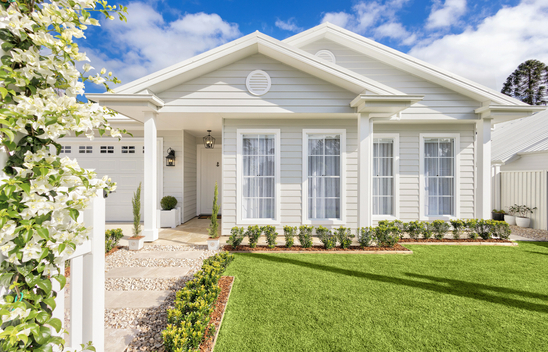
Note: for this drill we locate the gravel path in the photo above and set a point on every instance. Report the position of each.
(541, 235)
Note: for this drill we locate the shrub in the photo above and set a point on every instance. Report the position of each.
(414, 229)
(213, 229)
(168, 203)
(484, 228)
(458, 226)
(236, 236)
(427, 230)
(271, 235)
(326, 237)
(289, 234)
(387, 236)
(501, 229)
(305, 236)
(344, 236)
(253, 233)
(471, 225)
(136, 205)
(365, 236)
(189, 319)
(400, 225)
(112, 237)
(440, 228)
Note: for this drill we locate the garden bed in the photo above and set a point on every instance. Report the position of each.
(225, 283)
(461, 241)
(298, 249)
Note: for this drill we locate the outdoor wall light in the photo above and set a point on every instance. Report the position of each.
(209, 142)
(170, 158)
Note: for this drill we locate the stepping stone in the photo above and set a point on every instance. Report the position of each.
(134, 299)
(168, 254)
(117, 340)
(148, 273)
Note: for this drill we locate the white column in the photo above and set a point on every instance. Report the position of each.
(365, 147)
(496, 186)
(150, 203)
(483, 190)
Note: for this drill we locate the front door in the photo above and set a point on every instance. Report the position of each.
(210, 172)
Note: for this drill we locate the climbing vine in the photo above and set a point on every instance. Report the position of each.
(43, 194)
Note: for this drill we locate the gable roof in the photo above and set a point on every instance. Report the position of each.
(526, 135)
(401, 61)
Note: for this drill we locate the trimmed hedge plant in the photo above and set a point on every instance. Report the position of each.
(289, 234)
(112, 237)
(305, 236)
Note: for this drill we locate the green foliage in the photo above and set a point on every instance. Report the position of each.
(483, 228)
(458, 226)
(471, 225)
(427, 230)
(501, 229)
(366, 235)
(326, 237)
(289, 234)
(270, 234)
(112, 237)
(168, 203)
(523, 211)
(236, 236)
(305, 236)
(189, 320)
(213, 229)
(440, 228)
(414, 229)
(387, 236)
(136, 205)
(344, 236)
(528, 83)
(253, 233)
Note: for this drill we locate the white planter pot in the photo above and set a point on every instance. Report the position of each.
(523, 222)
(213, 244)
(170, 218)
(510, 219)
(137, 243)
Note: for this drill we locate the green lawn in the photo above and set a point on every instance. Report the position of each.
(441, 298)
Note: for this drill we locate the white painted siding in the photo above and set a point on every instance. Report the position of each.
(173, 174)
(410, 159)
(438, 102)
(224, 91)
(536, 161)
(291, 166)
(190, 176)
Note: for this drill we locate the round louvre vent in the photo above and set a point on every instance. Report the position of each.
(326, 55)
(258, 82)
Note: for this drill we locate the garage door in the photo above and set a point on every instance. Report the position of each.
(122, 161)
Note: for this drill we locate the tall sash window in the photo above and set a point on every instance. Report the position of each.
(383, 176)
(439, 176)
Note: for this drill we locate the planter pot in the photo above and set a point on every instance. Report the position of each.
(523, 222)
(510, 219)
(498, 216)
(136, 243)
(213, 244)
(170, 218)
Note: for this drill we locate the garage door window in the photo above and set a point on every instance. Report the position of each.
(65, 149)
(86, 149)
(107, 149)
(128, 149)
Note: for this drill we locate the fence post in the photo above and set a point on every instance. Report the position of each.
(93, 316)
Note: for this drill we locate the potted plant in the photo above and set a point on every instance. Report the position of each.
(510, 216)
(213, 230)
(169, 216)
(498, 215)
(522, 218)
(136, 241)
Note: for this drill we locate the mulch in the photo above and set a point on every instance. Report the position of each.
(229, 248)
(225, 283)
(208, 217)
(409, 240)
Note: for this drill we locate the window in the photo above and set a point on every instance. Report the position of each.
(258, 175)
(128, 149)
(384, 184)
(85, 149)
(439, 185)
(323, 158)
(66, 149)
(107, 149)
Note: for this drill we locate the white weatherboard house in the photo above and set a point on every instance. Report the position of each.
(326, 127)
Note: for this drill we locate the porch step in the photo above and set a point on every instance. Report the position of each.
(117, 340)
(148, 273)
(134, 299)
(168, 254)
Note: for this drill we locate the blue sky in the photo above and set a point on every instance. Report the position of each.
(479, 39)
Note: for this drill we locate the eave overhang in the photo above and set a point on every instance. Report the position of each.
(131, 105)
(503, 113)
(384, 105)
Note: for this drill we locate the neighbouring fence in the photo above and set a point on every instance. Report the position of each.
(526, 188)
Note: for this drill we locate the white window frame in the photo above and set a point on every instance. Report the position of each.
(396, 171)
(456, 168)
(239, 175)
(304, 193)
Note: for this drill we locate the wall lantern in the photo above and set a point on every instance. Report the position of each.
(170, 158)
(209, 142)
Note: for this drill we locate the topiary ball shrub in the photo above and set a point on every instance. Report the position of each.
(168, 203)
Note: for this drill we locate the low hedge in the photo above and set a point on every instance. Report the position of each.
(112, 237)
(189, 320)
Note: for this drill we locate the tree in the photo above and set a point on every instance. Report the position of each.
(214, 225)
(528, 83)
(43, 195)
(136, 203)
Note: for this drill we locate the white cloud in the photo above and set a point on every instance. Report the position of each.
(489, 53)
(147, 43)
(288, 25)
(395, 30)
(446, 15)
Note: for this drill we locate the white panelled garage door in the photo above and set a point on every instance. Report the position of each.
(122, 161)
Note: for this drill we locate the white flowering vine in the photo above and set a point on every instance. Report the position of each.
(42, 197)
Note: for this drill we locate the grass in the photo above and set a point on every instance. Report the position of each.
(441, 298)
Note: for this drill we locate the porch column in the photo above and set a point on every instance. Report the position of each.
(496, 186)
(483, 190)
(365, 147)
(150, 179)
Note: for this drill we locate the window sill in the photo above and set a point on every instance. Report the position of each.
(438, 217)
(328, 222)
(384, 217)
(258, 222)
